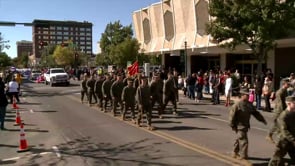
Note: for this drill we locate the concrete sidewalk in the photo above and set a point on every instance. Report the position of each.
(233, 99)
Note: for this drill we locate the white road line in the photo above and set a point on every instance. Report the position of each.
(261, 129)
(31, 155)
(11, 159)
(57, 152)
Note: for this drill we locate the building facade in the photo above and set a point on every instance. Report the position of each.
(176, 30)
(58, 32)
(24, 48)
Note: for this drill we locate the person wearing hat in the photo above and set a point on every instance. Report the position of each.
(286, 132)
(239, 119)
(143, 95)
(280, 105)
(157, 93)
(98, 91)
(90, 89)
(169, 93)
(84, 88)
(128, 99)
(106, 91)
(116, 93)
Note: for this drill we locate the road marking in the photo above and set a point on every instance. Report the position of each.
(30, 155)
(56, 151)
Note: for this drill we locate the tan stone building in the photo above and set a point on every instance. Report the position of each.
(176, 30)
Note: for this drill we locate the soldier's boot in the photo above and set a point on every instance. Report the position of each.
(138, 123)
(269, 139)
(104, 109)
(123, 117)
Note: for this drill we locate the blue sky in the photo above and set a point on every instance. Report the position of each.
(99, 12)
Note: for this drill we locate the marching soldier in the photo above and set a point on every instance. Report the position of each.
(116, 93)
(90, 89)
(280, 105)
(143, 95)
(169, 93)
(84, 88)
(98, 91)
(157, 94)
(239, 118)
(106, 91)
(128, 98)
(175, 80)
(286, 131)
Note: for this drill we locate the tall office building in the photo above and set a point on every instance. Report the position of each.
(24, 48)
(58, 32)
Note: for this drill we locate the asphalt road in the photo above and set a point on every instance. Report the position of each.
(62, 131)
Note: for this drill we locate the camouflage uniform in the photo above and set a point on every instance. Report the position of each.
(286, 143)
(90, 89)
(116, 93)
(128, 98)
(106, 91)
(143, 95)
(169, 93)
(157, 94)
(280, 105)
(239, 119)
(98, 91)
(84, 88)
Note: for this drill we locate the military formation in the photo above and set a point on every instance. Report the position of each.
(137, 97)
(117, 93)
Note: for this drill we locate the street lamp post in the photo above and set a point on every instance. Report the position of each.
(185, 58)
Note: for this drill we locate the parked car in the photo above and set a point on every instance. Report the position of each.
(35, 74)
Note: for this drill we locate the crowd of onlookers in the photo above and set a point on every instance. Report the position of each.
(227, 83)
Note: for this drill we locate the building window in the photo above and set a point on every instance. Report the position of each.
(66, 33)
(52, 28)
(45, 37)
(59, 37)
(82, 29)
(66, 28)
(169, 25)
(52, 37)
(82, 38)
(146, 31)
(202, 14)
(58, 33)
(88, 29)
(45, 32)
(88, 34)
(66, 38)
(58, 28)
(82, 34)
(88, 39)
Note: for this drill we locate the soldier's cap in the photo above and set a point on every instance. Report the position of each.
(290, 99)
(244, 92)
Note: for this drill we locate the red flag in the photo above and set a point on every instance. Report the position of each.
(133, 69)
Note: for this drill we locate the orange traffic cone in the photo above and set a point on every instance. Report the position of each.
(18, 120)
(14, 104)
(23, 146)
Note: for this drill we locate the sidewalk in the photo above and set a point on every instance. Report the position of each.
(233, 99)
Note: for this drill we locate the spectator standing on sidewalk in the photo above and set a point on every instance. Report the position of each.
(280, 105)
(267, 91)
(228, 89)
(258, 84)
(216, 84)
(199, 87)
(292, 84)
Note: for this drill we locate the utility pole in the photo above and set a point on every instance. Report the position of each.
(185, 58)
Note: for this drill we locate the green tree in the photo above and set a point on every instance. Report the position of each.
(63, 56)
(114, 34)
(125, 51)
(256, 23)
(23, 60)
(5, 60)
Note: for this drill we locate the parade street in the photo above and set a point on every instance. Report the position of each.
(60, 130)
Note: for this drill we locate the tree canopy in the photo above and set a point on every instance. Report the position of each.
(256, 23)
